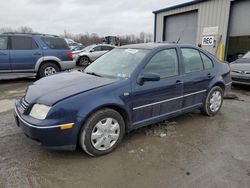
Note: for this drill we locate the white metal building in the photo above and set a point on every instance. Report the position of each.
(220, 26)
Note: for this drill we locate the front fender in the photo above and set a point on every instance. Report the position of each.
(79, 107)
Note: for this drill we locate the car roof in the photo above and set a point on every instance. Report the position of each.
(150, 46)
(27, 34)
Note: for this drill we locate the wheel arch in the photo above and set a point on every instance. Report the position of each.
(123, 112)
(78, 60)
(217, 81)
(47, 59)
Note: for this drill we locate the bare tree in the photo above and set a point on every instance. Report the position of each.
(25, 29)
(6, 29)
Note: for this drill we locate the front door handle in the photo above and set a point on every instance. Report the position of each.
(209, 75)
(178, 82)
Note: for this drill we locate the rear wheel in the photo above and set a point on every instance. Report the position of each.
(213, 101)
(102, 132)
(48, 69)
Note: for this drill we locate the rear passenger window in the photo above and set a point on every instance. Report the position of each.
(22, 43)
(208, 64)
(55, 43)
(192, 60)
(3, 43)
(164, 63)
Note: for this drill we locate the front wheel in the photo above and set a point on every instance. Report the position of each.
(213, 101)
(102, 132)
(84, 61)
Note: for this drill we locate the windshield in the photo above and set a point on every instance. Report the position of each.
(117, 63)
(247, 55)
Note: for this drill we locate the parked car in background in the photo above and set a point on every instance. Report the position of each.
(79, 47)
(38, 54)
(91, 53)
(240, 70)
(127, 88)
(72, 44)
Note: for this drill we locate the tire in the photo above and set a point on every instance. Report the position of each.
(84, 61)
(48, 69)
(213, 101)
(95, 135)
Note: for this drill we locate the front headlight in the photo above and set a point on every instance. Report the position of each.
(39, 111)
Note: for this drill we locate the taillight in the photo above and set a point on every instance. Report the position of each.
(69, 54)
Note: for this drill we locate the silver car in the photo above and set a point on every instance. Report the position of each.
(240, 70)
(91, 53)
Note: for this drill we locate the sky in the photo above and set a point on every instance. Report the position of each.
(104, 17)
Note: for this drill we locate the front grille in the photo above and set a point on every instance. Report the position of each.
(24, 104)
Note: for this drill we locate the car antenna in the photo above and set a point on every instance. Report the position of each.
(181, 33)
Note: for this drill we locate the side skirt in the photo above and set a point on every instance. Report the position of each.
(163, 117)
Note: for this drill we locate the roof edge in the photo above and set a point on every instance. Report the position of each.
(179, 6)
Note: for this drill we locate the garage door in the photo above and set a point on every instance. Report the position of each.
(182, 25)
(239, 21)
(239, 29)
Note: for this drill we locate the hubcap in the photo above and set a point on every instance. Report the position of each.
(84, 61)
(215, 101)
(105, 134)
(49, 71)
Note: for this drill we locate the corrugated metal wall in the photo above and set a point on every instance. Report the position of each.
(210, 14)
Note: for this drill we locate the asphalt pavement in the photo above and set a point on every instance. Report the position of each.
(187, 151)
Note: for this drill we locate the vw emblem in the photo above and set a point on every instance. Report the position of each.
(242, 72)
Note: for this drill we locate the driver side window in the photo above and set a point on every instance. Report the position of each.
(165, 63)
(97, 48)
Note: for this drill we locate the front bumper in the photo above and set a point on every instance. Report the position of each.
(240, 78)
(65, 65)
(51, 137)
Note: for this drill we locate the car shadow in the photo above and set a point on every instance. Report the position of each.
(241, 87)
(16, 80)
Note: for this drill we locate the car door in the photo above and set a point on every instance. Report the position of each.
(106, 49)
(155, 100)
(96, 52)
(198, 73)
(24, 53)
(4, 55)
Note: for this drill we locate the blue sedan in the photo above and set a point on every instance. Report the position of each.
(130, 87)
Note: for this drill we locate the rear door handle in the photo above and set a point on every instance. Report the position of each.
(37, 53)
(178, 82)
(209, 75)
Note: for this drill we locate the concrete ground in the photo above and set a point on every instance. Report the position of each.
(188, 151)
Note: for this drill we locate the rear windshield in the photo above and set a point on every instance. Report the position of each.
(55, 43)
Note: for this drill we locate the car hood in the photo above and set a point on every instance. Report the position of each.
(52, 89)
(241, 64)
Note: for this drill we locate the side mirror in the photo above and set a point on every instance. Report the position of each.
(91, 50)
(146, 77)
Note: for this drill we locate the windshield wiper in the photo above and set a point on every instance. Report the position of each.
(93, 73)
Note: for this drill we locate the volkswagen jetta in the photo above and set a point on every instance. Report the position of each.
(128, 88)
